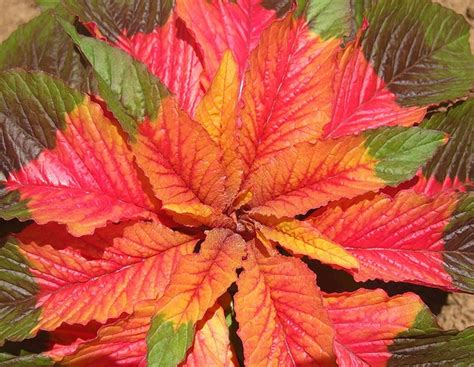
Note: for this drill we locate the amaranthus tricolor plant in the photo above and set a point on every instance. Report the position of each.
(179, 164)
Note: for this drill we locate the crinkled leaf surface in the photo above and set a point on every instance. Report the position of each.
(280, 314)
(169, 324)
(115, 18)
(222, 25)
(135, 263)
(289, 71)
(42, 45)
(216, 127)
(170, 53)
(211, 344)
(410, 237)
(419, 49)
(304, 239)
(373, 329)
(307, 176)
(452, 166)
(62, 158)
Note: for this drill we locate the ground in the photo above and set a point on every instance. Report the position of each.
(459, 310)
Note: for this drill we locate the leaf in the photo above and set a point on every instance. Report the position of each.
(280, 314)
(373, 329)
(217, 113)
(182, 162)
(121, 343)
(362, 100)
(308, 176)
(63, 285)
(303, 239)
(170, 53)
(175, 152)
(62, 159)
(41, 45)
(452, 165)
(115, 18)
(235, 25)
(131, 92)
(409, 238)
(211, 344)
(329, 18)
(367, 323)
(18, 288)
(443, 348)
(361, 9)
(420, 50)
(287, 94)
(194, 288)
(25, 360)
(199, 280)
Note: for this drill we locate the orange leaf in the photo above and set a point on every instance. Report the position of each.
(303, 239)
(211, 344)
(280, 314)
(199, 280)
(182, 163)
(75, 289)
(287, 94)
(308, 176)
(122, 343)
(202, 278)
(217, 113)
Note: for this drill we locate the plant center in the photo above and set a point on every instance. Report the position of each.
(244, 225)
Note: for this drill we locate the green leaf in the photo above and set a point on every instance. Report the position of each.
(335, 18)
(401, 151)
(42, 45)
(361, 9)
(132, 93)
(167, 346)
(329, 18)
(18, 289)
(116, 18)
(420, 49)
(25, 360)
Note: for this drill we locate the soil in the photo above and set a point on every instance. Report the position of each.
(458, 312)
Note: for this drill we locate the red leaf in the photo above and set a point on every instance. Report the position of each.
(86, 180)
(368, 321)
(362, 100)
(405, 238)
(222, 25)
(170, 52)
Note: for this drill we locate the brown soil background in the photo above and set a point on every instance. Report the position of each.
(459, 310)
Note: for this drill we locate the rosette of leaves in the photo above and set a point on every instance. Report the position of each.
(179, 164)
